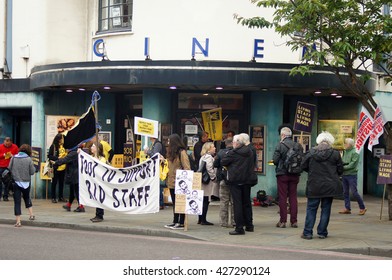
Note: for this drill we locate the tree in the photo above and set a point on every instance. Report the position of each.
(348, 37)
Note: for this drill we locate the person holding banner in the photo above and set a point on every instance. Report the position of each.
(71, 178)
(198, 147)
(98, 153)
(349, 177)
(177, 158)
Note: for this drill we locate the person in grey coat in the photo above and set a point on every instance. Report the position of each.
(22, 168)
(324, 166)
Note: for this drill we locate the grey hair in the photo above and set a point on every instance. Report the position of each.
(286, 131)
(238, 139)
(325, 136)
(350, 142)
(245, 138)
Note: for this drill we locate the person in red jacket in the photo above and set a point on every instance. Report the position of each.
(7, 150)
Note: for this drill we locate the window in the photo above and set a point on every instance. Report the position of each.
(115, 15)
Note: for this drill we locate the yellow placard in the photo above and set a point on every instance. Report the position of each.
(212, 120)
(146, 127)
(118, 161)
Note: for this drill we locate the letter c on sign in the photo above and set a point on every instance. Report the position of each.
(98, 48)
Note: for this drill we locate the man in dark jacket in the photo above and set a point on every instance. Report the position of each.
(324, 166)
(287, 183)
(241, 176)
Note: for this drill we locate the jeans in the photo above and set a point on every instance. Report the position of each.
(18, 194)
(287, 188)
(243, 215)
(350, 183)
(311, 213)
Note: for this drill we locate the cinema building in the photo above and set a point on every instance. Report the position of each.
(165, 61)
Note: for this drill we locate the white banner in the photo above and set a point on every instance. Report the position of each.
(131, 190)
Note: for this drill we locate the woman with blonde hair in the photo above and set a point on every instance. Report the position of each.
(207, 160)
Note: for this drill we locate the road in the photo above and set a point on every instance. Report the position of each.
(34, 243)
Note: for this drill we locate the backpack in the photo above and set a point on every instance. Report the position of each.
(163, 151)
(293, 160)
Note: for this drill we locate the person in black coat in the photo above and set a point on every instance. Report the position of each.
(324, 166)
(71, 178)
(241, 176)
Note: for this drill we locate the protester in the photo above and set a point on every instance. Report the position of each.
(198, 146)
(7, 150)
(350, 167)
(207, 155)
(71, 178)
(240, 166)
(98, 153)
(177, 159)
(157, 147)
(287, 183)
(56, 151)
(226, 200)
(324, 166)
(107, 149)
(22, 168)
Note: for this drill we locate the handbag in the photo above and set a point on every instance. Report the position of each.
(7, 175)
(205, 177)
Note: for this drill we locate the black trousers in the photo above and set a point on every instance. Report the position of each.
(18, 194)
(177, 218)
(243, 214)
(73, 193)
(6, 188)
(58, 178)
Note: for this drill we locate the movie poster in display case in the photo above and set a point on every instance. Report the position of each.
(257, 138)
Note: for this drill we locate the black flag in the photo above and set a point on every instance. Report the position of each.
(83, 130)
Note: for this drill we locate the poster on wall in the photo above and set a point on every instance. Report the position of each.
(340, 129)
(57, 124)
(257, 138)
(306, 141)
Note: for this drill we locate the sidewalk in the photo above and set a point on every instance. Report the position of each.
(367, 235)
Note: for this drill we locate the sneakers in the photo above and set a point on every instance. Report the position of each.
(306, 237)
(67, 207)
(80, 209)
(281, 225)
(170, 225)
(177, 226)
(345, 211)
(96, 219)
(362, 211)
(54, 200)
(294, 225)
(250, 228)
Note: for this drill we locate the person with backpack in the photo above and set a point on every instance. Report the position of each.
(287, 159)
